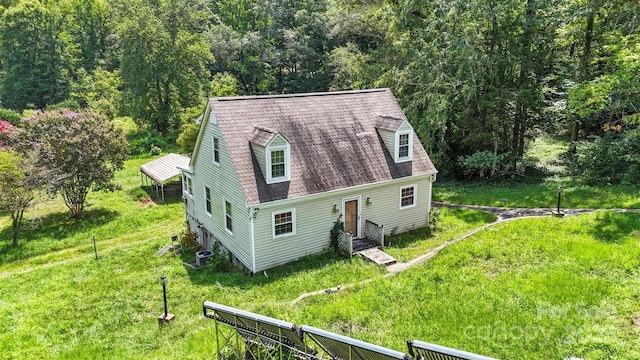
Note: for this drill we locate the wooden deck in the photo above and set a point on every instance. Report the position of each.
(370, 250)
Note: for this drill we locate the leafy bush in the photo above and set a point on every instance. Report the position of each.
(434, 218)
(138, 194)
(127, 124)
(188, 137)
(338, 226)
(189, 240)
(10, 116)
(478, 163)
(220, 260)
(155, 150)
(141, 142)
(613, 159)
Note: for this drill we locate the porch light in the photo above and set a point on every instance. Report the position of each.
(369, 201)
(335, 208)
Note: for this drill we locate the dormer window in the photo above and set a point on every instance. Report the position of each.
(404, 146)
(397, 135)
(272, 150)
(278, 164)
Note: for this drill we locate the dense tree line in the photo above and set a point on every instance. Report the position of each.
(478, 78)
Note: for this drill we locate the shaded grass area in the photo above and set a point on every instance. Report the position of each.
(511, 193)
(538, 187)
(49, 228)
(533, 288)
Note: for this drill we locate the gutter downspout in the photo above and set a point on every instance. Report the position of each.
(252, 240)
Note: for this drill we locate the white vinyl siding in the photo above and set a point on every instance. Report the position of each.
(224, 186)
(314, 217)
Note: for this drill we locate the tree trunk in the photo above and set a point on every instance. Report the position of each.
(16, 220)
(584, 66)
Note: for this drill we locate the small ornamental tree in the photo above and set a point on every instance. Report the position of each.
(21, 184)
(81, 150)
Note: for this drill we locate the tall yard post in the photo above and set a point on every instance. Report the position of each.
(95, 248)
(558, 213)
(166, 317)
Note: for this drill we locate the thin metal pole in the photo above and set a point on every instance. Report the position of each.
(95, 248)
(559, 195)
(164, 294)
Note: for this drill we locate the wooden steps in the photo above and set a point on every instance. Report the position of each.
(378, 256)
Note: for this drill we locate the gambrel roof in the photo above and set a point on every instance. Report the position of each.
(333, 138)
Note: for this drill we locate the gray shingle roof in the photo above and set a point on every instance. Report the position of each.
(333, 137)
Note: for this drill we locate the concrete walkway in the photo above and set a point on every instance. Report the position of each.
(504, 214)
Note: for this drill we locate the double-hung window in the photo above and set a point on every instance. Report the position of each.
(408, 196)
(207, 196)
(227, 217)
(278, 164)
(216, 150)
(284, 223)
(403, 145)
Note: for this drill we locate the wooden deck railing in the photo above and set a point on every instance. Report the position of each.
(345, 242)
(374, 232)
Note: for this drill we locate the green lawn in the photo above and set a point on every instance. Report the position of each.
(536, 288)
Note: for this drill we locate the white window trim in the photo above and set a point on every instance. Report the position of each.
(287, 163)
(205, 201)
(293, 223)
(213, 149)
(224, 219)
(188, 189)
(415, 196)
(396, 156)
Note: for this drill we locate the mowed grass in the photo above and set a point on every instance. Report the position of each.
(529, 289)
(112, 217)
(536, 288)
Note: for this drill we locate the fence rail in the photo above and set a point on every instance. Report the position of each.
(345, 242)
(374, 232)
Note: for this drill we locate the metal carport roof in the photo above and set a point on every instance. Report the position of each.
(164, 168)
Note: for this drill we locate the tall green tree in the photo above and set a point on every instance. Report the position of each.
(81, 152)
(164, 58)
(471, 74)
(36, 54)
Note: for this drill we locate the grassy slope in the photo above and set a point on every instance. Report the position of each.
(574, 280)
(59, 302)
(536, 288)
